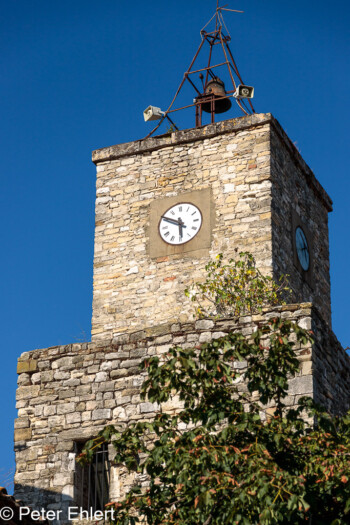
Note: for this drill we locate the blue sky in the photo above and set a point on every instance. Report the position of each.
(77, 76)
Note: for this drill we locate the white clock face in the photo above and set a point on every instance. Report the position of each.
(302, 249)
(180, 223)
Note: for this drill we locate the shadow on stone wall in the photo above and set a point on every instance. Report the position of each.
(57, 508)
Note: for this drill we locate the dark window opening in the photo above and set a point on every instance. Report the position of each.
(92, 481)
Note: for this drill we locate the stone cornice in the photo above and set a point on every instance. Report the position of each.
(176, 138)
(179, 137)
(153, 332)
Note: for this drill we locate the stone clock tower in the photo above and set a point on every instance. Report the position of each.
(165, 205)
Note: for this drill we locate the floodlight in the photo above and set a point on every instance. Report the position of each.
(243, 91)
(152, 113)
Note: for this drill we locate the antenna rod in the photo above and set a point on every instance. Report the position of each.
(232, 10)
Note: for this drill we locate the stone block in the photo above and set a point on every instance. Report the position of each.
(24, 380)
(23, 434)
(65, 446)
(130, 363)
(306, 368)
(22, 423)
(74, 417)
(66, 393)
(217, 335)
(101, 413)
(28, 366)
(204, 324)
(205, 337)
(65, 408)
(27, 392)
(302, 385)
(148, 407)
(50, 410)
(36, 378)
(305, 323)
(61, 479)
(101, 376)
(64, 363)
(106, 386)
(56, 421)
(115, 374)
(107, 365)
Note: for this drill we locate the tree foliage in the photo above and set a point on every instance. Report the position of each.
(236, 288)
(219, 460)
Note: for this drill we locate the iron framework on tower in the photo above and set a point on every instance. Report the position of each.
(212, 97)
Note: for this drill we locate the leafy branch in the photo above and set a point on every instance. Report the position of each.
(237, 288)
(221, 458)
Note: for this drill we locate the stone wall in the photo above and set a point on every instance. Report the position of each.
(255, 178)
(251, 183)
(132, 289)
(19, 514)
(66, 394)
(295, 190)
(331, 371)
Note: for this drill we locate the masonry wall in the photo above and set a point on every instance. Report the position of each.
(132, 289)
(331, 371)
(66, 394)
(256, 179)
(250, 181)
(299, 199)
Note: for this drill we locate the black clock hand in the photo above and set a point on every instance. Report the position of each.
(172, 221)
(181, 225)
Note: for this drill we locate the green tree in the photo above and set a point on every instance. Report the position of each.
(236, 288)
(219, 460)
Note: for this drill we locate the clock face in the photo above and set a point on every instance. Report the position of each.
(180, 223)
(302, 248)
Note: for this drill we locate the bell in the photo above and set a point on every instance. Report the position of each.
(216, 88)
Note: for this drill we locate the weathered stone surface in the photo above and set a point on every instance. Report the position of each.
(302, 385)
(27, 366)
(24, 380)
(27, 392)
(148, 407)
(295, 190)
(203, 324)
(101, 414)
(23, 434)
(61, 420)
(255, 178)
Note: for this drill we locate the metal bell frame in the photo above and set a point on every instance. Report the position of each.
(210, 101)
